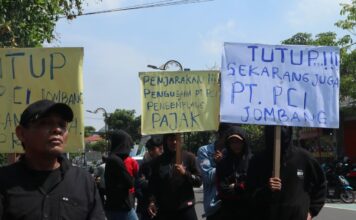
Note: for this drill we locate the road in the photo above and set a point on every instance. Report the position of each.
(331, 211)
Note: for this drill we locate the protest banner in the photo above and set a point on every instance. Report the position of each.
(179, 101)
(31, 74)
(280, 85)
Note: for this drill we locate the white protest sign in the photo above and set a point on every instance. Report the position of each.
(280, 85)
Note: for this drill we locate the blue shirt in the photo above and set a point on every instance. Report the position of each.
(207, 166)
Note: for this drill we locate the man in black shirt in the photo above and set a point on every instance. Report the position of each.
(43, 184)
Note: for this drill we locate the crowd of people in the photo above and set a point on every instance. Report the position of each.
(237, 184)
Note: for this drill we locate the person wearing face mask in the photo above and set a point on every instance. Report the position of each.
(231, 175)
(300, 191)
(171, 183)
(208, 157)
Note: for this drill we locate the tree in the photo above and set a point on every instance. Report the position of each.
(88, 130)
(350, 21)
(31, 23)
(194, 140)
(99, 146)
(347, 55)
(348, 70)
(125, 120)
(255, 136)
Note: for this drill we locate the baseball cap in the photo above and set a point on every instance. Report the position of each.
(235, 136)
(42, 108)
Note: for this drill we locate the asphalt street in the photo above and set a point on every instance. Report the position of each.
(331, 211)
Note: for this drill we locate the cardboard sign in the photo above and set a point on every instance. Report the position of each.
(31, 74)
(280, 85)
(180, 101)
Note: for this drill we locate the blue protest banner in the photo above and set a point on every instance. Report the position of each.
(280, 85)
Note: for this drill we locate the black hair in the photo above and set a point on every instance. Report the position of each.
(223, 128)
(121, 142)
(151, 143)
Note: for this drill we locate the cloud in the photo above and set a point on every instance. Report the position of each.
(110, 75)
(213, 40)
(313, 12)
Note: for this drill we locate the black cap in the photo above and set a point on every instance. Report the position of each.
(42, 108)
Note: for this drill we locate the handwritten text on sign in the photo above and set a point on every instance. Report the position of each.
(280, 85)
(179, 101)
(28, 75)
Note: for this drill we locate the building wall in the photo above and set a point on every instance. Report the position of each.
(349, 140)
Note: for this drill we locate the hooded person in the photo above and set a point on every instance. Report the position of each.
(231, 174)
(208, 156)
(171, 185)
(154, 149)
(299, 193)
(120, 171)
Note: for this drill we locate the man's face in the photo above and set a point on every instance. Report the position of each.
(173, 141)
(156, 151)
(46, 136)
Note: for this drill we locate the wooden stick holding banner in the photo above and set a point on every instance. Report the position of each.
(277, 151)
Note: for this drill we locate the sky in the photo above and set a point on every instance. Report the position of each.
(118, 45)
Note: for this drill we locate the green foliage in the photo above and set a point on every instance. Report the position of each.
(125, 120)
(194, 140)
(3, 159)
(322, 39)
(88, 130)
(348, 57)
(348, 71)
(30, 23)
(255, 136)
(99, 146)
(299, 39)
(349, 23)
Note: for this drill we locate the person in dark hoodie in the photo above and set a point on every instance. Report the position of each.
(299, 193)
(171, 184)
(231, 174)
(154, 148)
(120, 171)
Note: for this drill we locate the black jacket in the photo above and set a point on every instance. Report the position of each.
(169, 190)
(32, 195)
(141, 189)
(303, 184)
(232, 169)
(118, 181)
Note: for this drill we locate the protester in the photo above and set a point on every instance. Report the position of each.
(208, 156)
(159, 149)
(231, 175)
(171, 184)
(154, 150)
(100, 179)
(120, 172)
(43, 184)
(300, 192)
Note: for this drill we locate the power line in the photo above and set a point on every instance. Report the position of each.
(147, 5)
